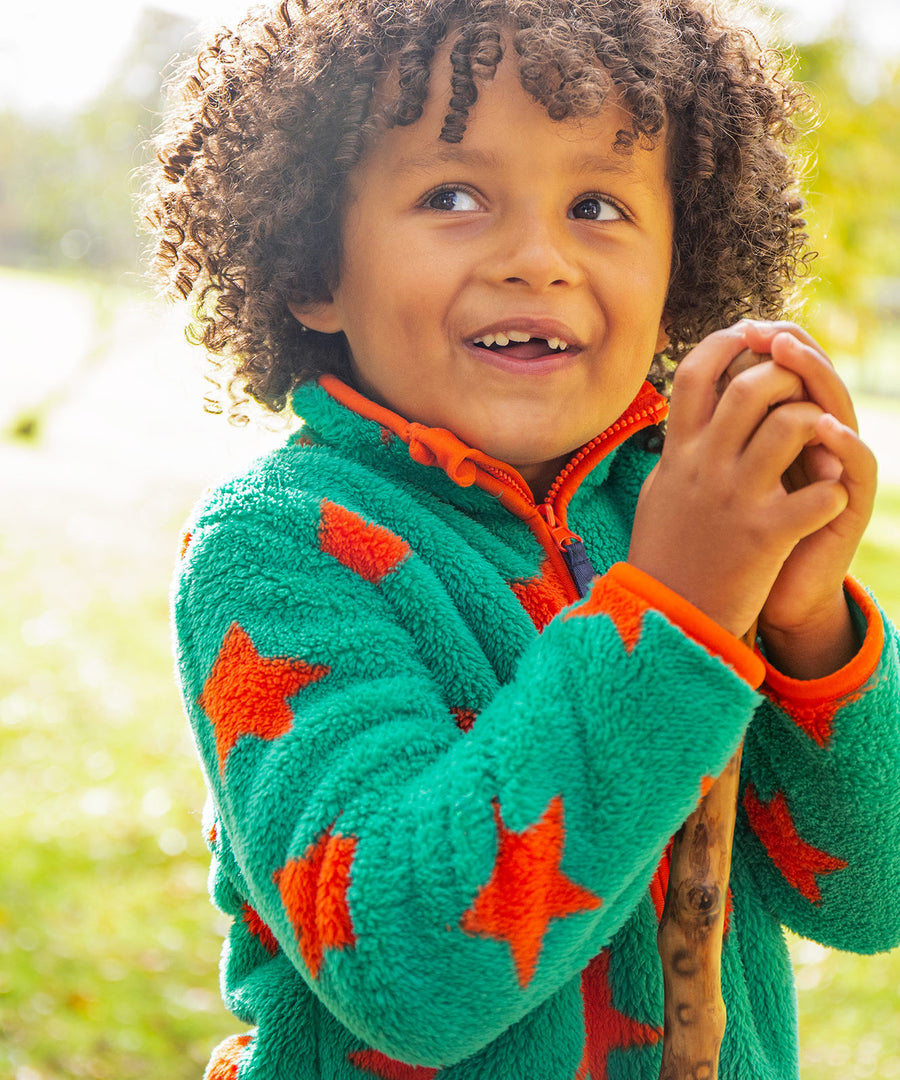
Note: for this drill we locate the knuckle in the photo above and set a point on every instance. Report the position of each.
(742, 388)
(782, 420)
(797, 417)
(687, 374)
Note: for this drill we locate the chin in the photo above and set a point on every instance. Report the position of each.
(530, 459)
(509, 437)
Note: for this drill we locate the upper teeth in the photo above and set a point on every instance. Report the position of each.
(517, 335)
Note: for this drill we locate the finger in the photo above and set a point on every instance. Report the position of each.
(810, 509)
(796, 348)
(694, 396)
(778, 442)
(821, 381)
(813, 463)
(860, 469)
(749, 400)
(760, 335)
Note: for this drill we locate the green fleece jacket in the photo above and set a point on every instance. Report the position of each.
(442, 784)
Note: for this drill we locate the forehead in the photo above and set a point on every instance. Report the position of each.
(506, 125)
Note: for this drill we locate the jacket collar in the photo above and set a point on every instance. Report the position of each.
(374, 431)
(466, 466)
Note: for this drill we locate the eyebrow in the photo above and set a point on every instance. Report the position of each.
(454, 154)
(447, 154)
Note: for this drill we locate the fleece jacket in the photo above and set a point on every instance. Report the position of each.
(443, 784)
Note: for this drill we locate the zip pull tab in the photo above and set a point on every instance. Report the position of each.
(571, 548)
(579, 565)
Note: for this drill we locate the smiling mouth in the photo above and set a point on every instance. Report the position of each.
(518, 345)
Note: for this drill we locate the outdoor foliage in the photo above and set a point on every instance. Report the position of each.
(66, 182)
(854, 206)
(107, 950)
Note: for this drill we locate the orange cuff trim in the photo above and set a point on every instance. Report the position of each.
(846, 681)
(226, 1058)
(624, 593)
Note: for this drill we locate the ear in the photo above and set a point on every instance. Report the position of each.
(322, 316)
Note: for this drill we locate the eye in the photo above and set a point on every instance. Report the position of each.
(451, 198)
(596, 208)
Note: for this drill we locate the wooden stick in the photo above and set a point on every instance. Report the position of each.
(693, 919)
(690, 933)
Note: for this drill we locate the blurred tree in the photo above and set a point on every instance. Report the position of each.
(854, 194)
(65, 186)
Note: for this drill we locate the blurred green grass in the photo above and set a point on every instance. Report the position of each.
(108, 943)
(877, 562)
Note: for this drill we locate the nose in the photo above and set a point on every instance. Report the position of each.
(536, 251)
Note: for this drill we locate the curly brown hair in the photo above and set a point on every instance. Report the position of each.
(246, 200)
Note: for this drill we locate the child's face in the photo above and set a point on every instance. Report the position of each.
(528, 227)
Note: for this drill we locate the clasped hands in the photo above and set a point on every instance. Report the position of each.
(761, 496)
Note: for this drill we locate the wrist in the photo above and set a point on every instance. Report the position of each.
(815, 648)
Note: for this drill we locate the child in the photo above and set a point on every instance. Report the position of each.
(460, 656)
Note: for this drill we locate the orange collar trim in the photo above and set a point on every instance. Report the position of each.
(427, 445)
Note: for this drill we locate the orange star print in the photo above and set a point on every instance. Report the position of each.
(314, 893)
(814, 717)
(798, 861)
(246, 694)
(254, 923)
(625, 609)
(607, 1028)
(367, 549)
(377, 1064)
(542, 596)
(527, 889)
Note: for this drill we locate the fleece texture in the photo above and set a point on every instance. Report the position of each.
(443, 785)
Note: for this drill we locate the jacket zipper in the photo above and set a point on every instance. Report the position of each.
(547, 520)
(568, 544)
(572, 549)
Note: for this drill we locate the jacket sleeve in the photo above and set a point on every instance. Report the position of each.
(391, 839)
(819, 815)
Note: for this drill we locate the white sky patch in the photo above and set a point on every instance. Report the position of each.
(57, 55)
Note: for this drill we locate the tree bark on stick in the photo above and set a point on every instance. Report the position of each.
(690, 933)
